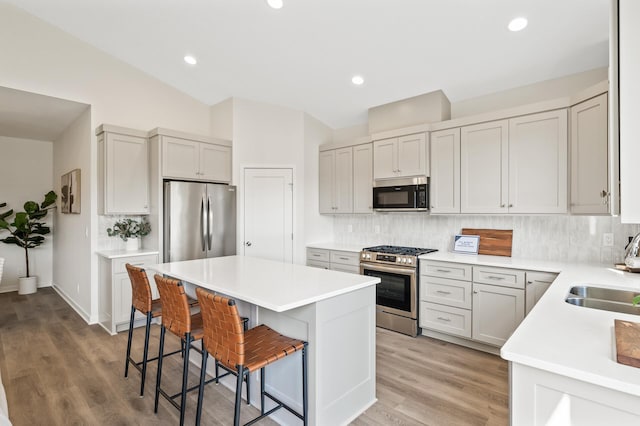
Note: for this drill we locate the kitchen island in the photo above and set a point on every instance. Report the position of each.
(333, 311)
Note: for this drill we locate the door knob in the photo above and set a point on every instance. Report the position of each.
(248, 244)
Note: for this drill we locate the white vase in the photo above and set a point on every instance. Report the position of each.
(132, 244)
(27, 285)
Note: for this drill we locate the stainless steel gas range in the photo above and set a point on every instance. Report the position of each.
(397, 293)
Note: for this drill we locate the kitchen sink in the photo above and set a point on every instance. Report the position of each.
(606, 299)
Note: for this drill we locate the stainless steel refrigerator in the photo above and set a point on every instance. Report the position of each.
(199, 220)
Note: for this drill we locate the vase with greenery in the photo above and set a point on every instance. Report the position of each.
(27, 228)
(130, 228)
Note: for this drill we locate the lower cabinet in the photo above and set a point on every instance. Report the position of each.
(480, 303)
(336, 260)
(115, 290)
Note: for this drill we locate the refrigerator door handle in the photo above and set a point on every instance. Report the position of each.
(203, 225)
(209, 222)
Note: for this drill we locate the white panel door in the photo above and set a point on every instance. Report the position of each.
(444, 184)
(385, 161)
(344, 180)
(327, 172)
(215, 162)
(538, 163)
(590, 157)
(412, 155)
(268, 214)
(363, 178)
(484, 168)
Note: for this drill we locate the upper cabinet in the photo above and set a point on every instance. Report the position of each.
(363, 178)
(590, 189)
(194, 157)
(401, 156)
(123, 170)
(444, 184)
(515, 166)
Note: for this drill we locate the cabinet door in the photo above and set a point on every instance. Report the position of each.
(538, 163)
(343, 183)
(180, 158)
(444, 185)
(590, 157)
(484, 168)
(326, 181)
(385, 161)
(363, 178)
(497, 312)
(412, 155)
(126, 175)
(537, 284)
(215, 162)
(122, 299)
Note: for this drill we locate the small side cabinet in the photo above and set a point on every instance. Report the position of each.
(115, 288)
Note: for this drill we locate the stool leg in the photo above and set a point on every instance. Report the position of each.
(146, 353)
(305, 396)
(126, 364)
(160, 352)
(185, 375)
(262, 390)
(217, 381)
(236, 415)
(203, 377)
(248, 389)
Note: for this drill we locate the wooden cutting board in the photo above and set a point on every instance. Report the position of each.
(627, 343)
(496, 242)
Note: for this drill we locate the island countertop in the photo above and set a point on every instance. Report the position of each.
(268, 284)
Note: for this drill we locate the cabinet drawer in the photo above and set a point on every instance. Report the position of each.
(498, 276)
(444, 291)
(345, 258)
(318, 264)
(456, 271)
(318, 254)
(345, 268)
(139, 261)
(446, 319)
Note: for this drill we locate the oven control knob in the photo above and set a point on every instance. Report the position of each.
(409, 260)
(368, 256)
(403, 259)
(364, 256)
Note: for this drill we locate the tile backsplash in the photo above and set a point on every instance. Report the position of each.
(563, 238)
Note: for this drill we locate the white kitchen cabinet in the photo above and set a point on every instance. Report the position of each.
(484, 167)
(363, 178)
(336, 181)
(590, 187)
(497, 312)
(400, 157)
(537, 284)
(189, 159)
(444, 184)
(215, 162)
(123, 171)
(538, 163)
(335, 260)
(115, 288)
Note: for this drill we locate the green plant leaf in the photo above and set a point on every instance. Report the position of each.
(49, 198)
(31, 207)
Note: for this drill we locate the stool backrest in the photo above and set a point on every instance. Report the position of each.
(223, 331)
(140, 288)
(176, 316)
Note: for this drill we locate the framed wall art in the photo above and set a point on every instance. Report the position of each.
(70, 192)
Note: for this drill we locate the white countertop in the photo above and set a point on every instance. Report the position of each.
(336, 246)
(115, 254)
(269, 284)
(569, 340)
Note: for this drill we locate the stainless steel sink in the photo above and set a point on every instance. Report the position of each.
(606, 299)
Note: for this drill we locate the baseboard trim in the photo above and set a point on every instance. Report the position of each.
(462, 342)
(84, 315)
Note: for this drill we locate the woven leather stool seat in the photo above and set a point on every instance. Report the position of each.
(243, 352)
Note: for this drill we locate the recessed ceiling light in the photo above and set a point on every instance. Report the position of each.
(357, 80)
(517, 24)
(190, 60)
(275, 4)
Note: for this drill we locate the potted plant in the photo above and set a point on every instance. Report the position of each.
(27, 231)
(130, 231)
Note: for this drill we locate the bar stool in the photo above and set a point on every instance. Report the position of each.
(242, 352)
(142, 301)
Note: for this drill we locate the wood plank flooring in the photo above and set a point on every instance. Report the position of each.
(57, 370)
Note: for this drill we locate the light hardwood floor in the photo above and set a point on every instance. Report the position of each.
(57, 370)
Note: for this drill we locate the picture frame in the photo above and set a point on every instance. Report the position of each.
(466, 244)
(70, 192)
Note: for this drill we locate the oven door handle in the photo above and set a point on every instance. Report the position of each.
(388, 268)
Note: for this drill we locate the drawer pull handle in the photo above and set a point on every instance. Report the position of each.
(137, 264)
(493, 277)
(443, 292)
(444, 270)
(444, 319)
(317, 255)
(343, 258)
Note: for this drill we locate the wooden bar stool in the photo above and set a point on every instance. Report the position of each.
(242, 352)
(178, 319)
(141, 300)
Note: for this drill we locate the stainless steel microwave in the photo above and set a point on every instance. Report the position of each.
(406, 194)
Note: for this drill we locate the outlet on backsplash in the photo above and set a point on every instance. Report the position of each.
(607, 239)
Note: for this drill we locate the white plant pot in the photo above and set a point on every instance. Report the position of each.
(132, 244)
(27, 285)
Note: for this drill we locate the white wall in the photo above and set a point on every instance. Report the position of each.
(40, 58)
(25, 174)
